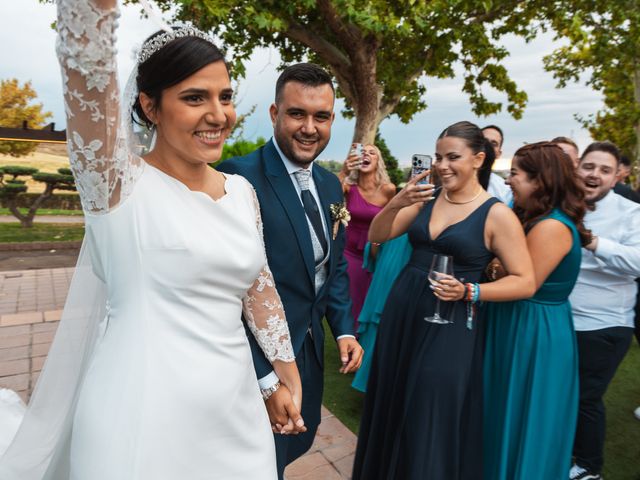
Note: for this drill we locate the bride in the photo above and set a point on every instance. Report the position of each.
(150, 375)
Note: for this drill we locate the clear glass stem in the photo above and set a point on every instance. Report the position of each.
(436, 314)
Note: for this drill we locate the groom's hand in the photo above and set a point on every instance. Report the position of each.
(350, 354)
(283, 413)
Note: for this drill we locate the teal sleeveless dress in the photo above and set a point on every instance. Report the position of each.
(531, 378)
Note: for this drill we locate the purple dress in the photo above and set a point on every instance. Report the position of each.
(362, 213)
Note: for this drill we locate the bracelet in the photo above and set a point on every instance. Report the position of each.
(267, 392)
(476, 293)
(471, 297)
(472, 292)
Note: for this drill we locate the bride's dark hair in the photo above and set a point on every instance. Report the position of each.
(558, 186)
(174, 62)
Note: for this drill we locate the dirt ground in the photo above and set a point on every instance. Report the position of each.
(29, 260)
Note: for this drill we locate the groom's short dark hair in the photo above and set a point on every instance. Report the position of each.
(308, 74)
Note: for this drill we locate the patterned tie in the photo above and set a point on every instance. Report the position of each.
(311, 206)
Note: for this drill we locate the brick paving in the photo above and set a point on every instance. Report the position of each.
(31, 303)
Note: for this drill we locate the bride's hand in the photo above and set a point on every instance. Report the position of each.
(284, 412)
(290, 382)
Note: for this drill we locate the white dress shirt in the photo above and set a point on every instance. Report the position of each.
(605, 293)
(497, 188)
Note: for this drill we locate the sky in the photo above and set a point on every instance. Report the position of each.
(28, 54)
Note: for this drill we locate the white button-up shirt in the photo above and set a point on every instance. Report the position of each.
(605, 293)
(497, 188)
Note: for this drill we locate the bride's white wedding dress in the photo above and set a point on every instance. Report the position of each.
(167, 388)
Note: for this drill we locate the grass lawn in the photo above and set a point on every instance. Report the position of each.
(343, 401)
(622, 450)
(41, 232)
(44, 211)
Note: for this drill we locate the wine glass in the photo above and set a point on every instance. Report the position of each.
(440, 265)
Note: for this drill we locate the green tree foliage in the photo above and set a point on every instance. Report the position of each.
(378, 50)
(239, 147)
(11, 188)
(391, 162)
(16, 107)
(331, 165)
(604, 48)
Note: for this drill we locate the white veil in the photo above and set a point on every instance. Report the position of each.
(41, 446)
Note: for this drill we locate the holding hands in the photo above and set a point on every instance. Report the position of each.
(283, 407)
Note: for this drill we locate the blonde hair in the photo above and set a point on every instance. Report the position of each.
(382, 176)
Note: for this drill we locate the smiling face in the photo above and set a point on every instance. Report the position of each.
(195, 116)
(456, 163)
(302, 121)
(521, 185)
(370, 159)
(598, 172)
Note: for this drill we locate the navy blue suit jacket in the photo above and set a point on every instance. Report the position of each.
(290, 252)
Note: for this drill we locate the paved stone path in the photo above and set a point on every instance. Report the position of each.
(31, 303)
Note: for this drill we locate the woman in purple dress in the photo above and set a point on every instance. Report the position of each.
(367, 189)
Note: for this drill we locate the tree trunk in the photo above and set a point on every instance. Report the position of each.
(367, 120)
(636, 127)
(48, 191)
(12, 205)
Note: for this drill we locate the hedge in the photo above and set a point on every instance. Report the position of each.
(58, 201)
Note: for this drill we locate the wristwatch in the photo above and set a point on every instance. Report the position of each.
(267, 392)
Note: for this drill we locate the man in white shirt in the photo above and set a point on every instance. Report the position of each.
(497, 187)
(603, 299)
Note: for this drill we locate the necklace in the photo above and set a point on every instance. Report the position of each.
(446, 197)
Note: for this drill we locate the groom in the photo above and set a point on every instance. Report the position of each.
(304, 253)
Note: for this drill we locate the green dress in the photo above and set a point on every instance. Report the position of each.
(531, 378)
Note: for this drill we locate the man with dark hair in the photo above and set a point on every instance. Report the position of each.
(621, 187)
(304, 250)
(569, 147)
(602, 300)
(497, 187)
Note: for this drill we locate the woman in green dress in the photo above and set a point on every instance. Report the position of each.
(531, 363)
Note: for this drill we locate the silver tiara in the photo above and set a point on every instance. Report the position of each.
(159, 41)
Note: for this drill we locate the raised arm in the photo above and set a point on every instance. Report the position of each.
(401, 210)
(97, 143)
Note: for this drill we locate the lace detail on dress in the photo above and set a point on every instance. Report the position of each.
(103, 167)
(263, 308)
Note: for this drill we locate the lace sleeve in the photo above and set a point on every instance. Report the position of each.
(100, 159)
(264, 312)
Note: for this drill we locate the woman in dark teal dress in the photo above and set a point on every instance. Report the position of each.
(531, 362)
(389, 260)
(422, 416)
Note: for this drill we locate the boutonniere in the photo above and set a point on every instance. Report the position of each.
(339, 214)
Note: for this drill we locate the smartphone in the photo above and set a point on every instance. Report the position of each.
(357, 149)
(420, 163)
